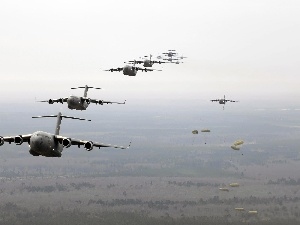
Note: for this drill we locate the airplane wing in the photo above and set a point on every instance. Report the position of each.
(136, 61)
(159, 62)
(119, 69)
(88, 145)
(101, 102)
(215, 100)
(144, 69)
(19, 139)
(59, 100)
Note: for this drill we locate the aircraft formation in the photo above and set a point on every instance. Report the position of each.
(51, 145)
(130, 69)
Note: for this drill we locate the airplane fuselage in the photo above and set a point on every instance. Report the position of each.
(128, 70)
(147, 63)
(222, 101)
(43, 143)
(77, 103)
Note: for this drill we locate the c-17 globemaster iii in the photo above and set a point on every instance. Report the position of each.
(130, 70)
(80, 103)
(52, 145)
(223, 101)
(146, 62)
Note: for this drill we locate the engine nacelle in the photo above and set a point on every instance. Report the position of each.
(89, 145)
(66, 142)
(1, 141)
(100, 102)
(61, 101)
(18, 140)
(87, 100)
(50, 101)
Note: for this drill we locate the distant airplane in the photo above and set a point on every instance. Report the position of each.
(51, 145)
(171, 56)
(80, 103)
(146, 62)
(170, 53)
(223, 101)
(130, 70)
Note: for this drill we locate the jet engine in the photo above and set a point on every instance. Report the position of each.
(88, 145)
(100, 102)
(18, 140)
(1, 140)
(50, 101)
(87, 100)
(66, 142)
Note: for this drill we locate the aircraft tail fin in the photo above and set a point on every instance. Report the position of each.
(59, 117)
(86, 88)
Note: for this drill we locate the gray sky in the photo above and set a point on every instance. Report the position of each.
(248, 50)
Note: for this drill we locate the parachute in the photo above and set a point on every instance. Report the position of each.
(205, 130)
(234, 147)
(234, 185)
(202, 131)
(238, 142)
(223, 189)
(195, 131)
(239, 209)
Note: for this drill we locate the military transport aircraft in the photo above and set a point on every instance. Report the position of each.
(170, 53)
(80, 103)
(171, 56)
(223, 101)
(130, 70)
(146, 62)
(51, 145)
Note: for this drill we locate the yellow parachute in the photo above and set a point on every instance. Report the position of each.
(238, 142)
(234, 185)
(234, 147)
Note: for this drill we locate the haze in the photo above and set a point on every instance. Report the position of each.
(244, 49)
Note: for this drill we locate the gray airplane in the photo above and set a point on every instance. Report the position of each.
(80, 103)
(171, 56)
(146, 62)
(130, 70)
(223, 101)
(52, 145)
(170, 53)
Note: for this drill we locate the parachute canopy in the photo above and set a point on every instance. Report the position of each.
(238, 142)
(239, 209)
(234, 185)
(234, 147)
(195, 131)
(205, 130)
(223, 189)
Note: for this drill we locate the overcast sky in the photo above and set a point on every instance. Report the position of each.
(248, 50)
